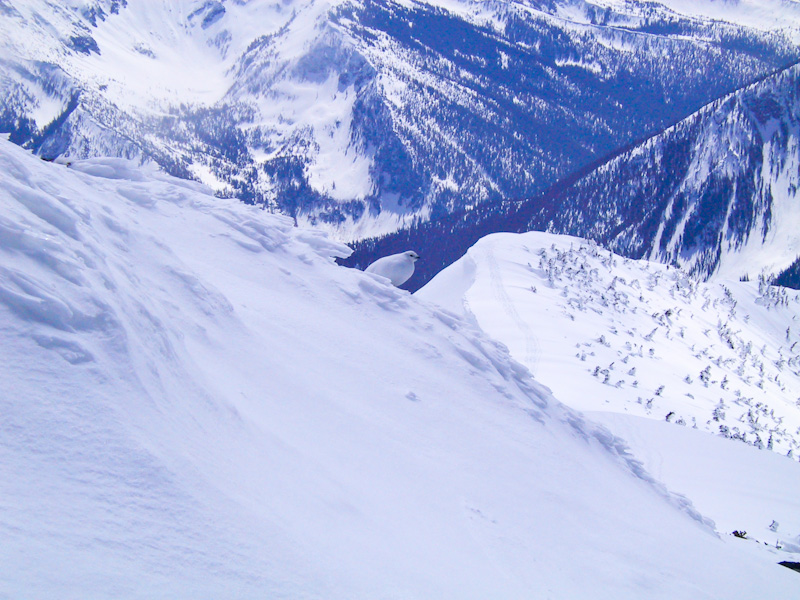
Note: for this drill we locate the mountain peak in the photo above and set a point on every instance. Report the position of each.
(437, 107)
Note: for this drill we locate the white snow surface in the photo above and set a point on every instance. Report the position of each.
(628, 342)
(744, 488)
(196, 402)
(605, 333)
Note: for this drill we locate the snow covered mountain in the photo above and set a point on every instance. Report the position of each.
(364, 116)
(715, 194)
(197, 401)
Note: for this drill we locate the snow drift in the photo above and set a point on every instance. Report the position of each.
(197, 402)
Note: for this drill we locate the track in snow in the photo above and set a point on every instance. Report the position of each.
(532, 347)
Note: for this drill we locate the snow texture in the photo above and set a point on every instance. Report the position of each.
(637, 345)
(196, 401)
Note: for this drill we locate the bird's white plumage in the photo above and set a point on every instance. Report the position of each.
(397, 268)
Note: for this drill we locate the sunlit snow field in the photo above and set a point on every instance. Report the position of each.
(197, 402)
(670, 364)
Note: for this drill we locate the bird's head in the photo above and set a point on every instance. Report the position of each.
(412, 255)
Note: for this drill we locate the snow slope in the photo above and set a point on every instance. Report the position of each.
(609, 333)
(636, 344)
(742, 488)
(197, 402)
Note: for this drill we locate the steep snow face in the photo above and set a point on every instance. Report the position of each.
(742, 488)
(361, 117)
(607, 333)
(196, 400)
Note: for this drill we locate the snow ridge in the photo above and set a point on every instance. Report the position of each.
(715, 194)
(640, 337)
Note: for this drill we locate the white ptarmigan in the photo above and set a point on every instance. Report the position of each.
(395, 267)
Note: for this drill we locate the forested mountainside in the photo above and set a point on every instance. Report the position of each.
(362, 117)
(715, 194)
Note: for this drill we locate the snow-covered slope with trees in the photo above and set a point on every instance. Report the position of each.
(197, 402)
(364, 116)
(716, 194)
(608, 333)
(659, 358)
